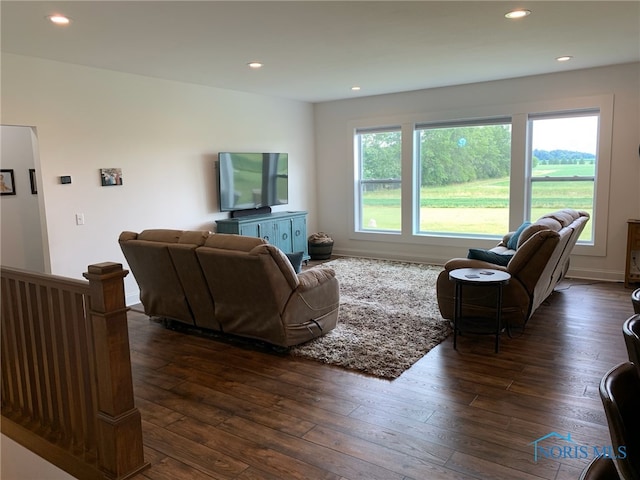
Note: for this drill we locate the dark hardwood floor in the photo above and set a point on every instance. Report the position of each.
(219, 410)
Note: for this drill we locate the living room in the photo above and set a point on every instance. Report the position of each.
(165, 135)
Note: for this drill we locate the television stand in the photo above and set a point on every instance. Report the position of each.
(250, 211)
(285, 230)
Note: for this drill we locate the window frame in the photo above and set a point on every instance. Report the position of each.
(600, 218)
(518, 208)
(357, 145)
(477, 122)
(531, 180)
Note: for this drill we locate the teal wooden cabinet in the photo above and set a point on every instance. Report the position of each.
(285, 230)
(299, 235)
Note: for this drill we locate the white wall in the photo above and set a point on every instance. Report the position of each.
(334, 139)
(165, 137)
(21, 233)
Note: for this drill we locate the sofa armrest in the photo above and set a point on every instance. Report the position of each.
(313, 277)
(456, 263)
(312, 309)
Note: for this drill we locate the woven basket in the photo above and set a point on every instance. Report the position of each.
(320, 246)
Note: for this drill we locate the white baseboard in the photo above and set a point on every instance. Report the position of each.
(594, 274)
(385, 255)
(132, 299)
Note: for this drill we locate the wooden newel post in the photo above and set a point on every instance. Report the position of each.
(119, 443)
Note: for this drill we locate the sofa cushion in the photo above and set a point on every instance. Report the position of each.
(185, 262)
(551, 223)
(160, 235)
(313, 277)
(532, 229)
(564, 217)
(194, 237)
(229, 241)
(513, 241)
(489, 256)
(161, 292)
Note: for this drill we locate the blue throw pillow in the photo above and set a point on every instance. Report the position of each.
(512, 244)
(489, 256)
(296, 260)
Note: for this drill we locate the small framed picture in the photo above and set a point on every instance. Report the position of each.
(7, 182)
(33, 181)
(110, 176)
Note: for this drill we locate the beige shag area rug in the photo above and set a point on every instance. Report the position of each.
(388, 319)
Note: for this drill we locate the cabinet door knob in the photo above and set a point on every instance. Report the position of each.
(285, 236)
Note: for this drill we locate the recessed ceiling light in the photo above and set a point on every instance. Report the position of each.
(255, 65)
(355, 88)
(59, 19)
(520, 13)
(565, 58)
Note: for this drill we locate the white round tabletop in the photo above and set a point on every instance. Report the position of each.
(479, 275)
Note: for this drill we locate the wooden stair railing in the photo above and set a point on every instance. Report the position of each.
(67, 388)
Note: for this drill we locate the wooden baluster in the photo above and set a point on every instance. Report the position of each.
(120, 450)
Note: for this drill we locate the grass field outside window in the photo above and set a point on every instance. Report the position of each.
(480, 207)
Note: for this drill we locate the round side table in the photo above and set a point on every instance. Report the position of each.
(478, 277)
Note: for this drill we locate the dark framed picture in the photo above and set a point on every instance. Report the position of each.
(7, 182)
(110, 176)
(33, 181)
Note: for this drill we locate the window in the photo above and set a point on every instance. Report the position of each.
(563, 164)
(463, 177)
(438, 178)
(378, 157)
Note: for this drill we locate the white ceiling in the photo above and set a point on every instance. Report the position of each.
(317, 50)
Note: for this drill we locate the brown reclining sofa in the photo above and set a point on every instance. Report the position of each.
(230, 283)
(539, 261)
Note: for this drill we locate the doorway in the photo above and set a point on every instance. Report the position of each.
(22, 230)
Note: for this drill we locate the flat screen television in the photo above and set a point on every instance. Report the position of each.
(249, 181)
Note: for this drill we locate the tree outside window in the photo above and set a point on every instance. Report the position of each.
(464, 178)
(380, 173)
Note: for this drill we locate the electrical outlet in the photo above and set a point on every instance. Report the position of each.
(79, 218)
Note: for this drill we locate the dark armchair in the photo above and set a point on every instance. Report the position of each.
(600, 468)
(620, 394)
(635, 300)
(631, 332)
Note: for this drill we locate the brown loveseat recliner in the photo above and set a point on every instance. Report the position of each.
(230, 283)
(539, 262)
